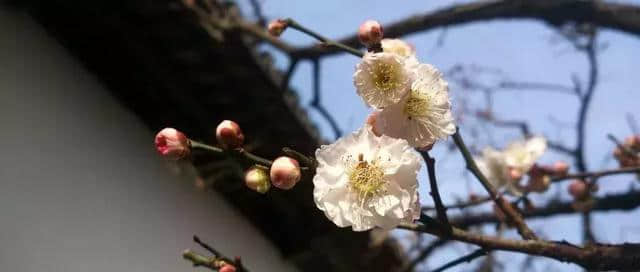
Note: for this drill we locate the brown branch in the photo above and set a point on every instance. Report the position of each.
(512, 215)
(464, 259)
(316, 101)
(597, 256)
(597, 174)
(435, 194)
(621, 17)
(462, 205)
(423, 254)
(215, 262)
(625, 202)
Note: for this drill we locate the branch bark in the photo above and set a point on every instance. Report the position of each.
(597, 256)
(616, 16)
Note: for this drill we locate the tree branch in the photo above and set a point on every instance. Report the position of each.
(317, 104)
(626, 201)
(464, 259)
(598, 256)
(622, 17)
(504, 205)
(435, 194)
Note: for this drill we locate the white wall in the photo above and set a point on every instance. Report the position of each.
(81, 188)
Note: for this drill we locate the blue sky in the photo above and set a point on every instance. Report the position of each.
(525, 50)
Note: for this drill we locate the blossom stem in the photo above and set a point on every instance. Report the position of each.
(240, 152)
(435, 194)
(215, 262)
(512, 215)
(326, 41)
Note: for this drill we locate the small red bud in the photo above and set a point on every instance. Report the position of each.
(229, 134)
(515, 174)
(172, 144)
(370, 33)
(560, 168)
(227, 268)
(285, 173)
(577, 189)
(276, 27)
(371, 120)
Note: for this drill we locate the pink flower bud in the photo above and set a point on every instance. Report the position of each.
(257, 179)
(560, 168)
(371, 120)
(229, 134)
(285, 173)
(370, 33)
(172, 144)
(538, 183)
(276, 27)
(515, 174)
(227, 268)
(577, 189)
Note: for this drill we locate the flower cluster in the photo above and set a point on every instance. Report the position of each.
(411, 99)
(505, 168)
(369, 178)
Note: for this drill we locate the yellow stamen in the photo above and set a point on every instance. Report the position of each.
(386, 76)
(366, 179)
(417, 104)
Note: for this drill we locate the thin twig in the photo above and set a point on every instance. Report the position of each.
(423, 255)
(597, 174)
(326, 41)
(435, 194)
(464, 259)
(287, 76)
(512, 215)
(462, 205)
(317, 103)
(238, 152)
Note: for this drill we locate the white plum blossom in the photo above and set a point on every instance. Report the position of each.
(398, 47)
(505, 168)
(382, 79)
(424, 115)
(523, 154)
(365, 181)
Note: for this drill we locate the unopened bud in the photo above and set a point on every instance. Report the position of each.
(370, 33)
(371, 120)
(285, 173)
(560, 168)
(577, 189)
(227, 268)
(276, 27)
(515, 174)
(257, 179)
(172, 144)
(229, 134)
(539, 183)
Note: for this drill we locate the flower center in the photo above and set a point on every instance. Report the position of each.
(366, 179)
(386, 76)
(417, 105)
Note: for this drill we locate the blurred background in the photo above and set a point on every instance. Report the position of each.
(84, 87)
